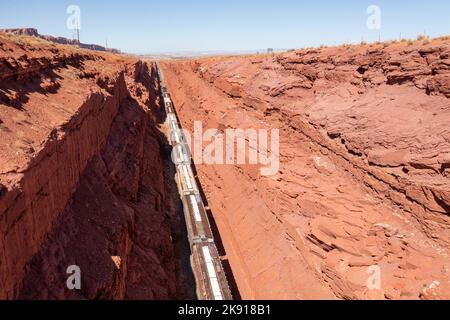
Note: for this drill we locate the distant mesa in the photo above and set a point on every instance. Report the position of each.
(31, 32)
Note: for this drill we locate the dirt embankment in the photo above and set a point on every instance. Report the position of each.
(364, 178)
(83, 177)
(31, 32)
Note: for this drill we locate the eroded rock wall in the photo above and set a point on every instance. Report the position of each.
(363, 181)
(83, 177)
(29, 210)
(116, 227)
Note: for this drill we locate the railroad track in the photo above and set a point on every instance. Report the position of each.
(210, 277)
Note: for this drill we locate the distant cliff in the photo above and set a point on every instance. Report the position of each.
(60, 40)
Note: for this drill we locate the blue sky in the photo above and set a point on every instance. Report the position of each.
(140, 26)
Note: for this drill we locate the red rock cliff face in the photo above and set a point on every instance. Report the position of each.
(29, 210)
(364, 168)
(86, 185)
(115, 227)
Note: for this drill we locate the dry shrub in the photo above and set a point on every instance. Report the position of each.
(422, 37)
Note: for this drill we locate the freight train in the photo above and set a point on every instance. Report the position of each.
(208, 270)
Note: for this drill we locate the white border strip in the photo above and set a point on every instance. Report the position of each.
(187, 177)
(198, 217)
(181, 154)
(212, 274)
(177, 137)
(174, 125)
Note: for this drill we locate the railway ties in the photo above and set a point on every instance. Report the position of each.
(206, 263)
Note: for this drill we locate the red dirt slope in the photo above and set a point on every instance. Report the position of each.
(364, 179)
(82, 180)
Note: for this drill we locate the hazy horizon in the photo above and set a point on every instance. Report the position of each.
(154, 27)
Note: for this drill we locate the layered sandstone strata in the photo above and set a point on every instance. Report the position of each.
(82, 176)
(364, 178)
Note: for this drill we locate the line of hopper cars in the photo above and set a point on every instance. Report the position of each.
(205, 254)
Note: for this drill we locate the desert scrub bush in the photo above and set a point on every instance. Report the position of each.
(422, 37)
(410, 42)
(346, 46)
(390, 43)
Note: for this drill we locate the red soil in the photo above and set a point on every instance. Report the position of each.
(82, 178)
(364, 179)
